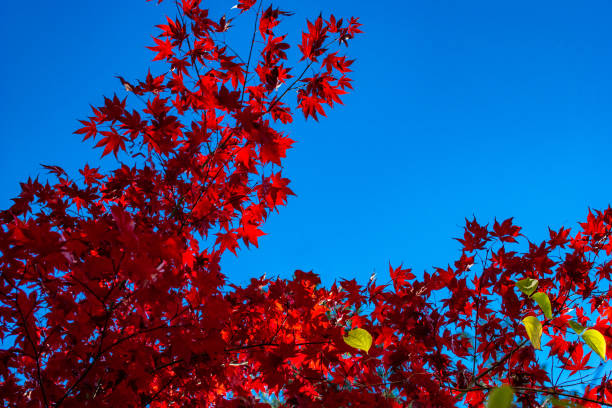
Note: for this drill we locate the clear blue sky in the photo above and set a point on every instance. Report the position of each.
(460, 108)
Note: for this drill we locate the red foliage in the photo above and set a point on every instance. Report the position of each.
(111, 292)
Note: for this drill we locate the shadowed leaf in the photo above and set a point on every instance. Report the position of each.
(500, 397)
(544, 302)
(527, 285)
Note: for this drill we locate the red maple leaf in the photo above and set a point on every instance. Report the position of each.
(163, 49)
(112, 142)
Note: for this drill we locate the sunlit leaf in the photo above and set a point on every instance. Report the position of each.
(596, 341)
(534, 330)
(500, 397)
(359, 339)
(527, 285)
(577, 327)
(544, 302)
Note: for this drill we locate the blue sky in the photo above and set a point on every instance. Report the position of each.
(460, 108)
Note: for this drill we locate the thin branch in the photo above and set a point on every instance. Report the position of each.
(246, 77)
(240, 348)
(500, 362)
(36, 353)
(151, 399)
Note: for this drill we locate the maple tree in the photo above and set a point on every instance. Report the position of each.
(111, 293)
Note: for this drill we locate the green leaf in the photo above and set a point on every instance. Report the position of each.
(527, 285)
(596, 341)
(534, 330)
(562, 403)
(544, 302)
(359, 339)
(578, 328)
(500, 397)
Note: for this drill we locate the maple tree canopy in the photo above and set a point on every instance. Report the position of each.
(111, 294)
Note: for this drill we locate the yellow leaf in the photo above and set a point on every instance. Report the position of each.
(527, 285)
(500, 397)
(596, 341)
(534, 330)
(544, 302)
(359, 339)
